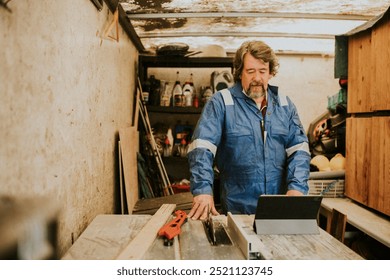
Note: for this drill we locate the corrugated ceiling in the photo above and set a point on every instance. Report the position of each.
(288, 26)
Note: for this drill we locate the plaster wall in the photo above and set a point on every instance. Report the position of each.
(308, 80)
(65, 93)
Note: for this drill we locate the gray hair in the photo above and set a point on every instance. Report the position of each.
(259, 50)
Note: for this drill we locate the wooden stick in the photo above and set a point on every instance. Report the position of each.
(153, 146)
(122, 195)
(113, 24)
(137, 247)
(136, 110)
(167, 184)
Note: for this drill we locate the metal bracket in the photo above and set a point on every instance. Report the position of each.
(241, 230)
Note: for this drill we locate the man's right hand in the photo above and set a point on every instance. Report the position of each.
(201, 206)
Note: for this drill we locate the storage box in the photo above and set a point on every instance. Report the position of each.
(339, 98)
(327, 188)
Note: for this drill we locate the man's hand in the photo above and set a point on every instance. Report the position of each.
(201, 206)
(294, 193)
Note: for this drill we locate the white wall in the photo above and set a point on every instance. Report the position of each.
(308, 80)
(65, 93)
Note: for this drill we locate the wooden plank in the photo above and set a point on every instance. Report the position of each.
(106, 236)
(358, 158)
(129, 147)
(183, 202)
(121, 183)
(380, 92)
(374, 225)
(321, 246)
(359, 72)
(137, 247)
(338, 225)
(379, 191)
(136, 109)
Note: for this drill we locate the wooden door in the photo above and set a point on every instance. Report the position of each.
(381, 61)
(358, 158)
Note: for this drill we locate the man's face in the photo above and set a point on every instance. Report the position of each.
(255, 76)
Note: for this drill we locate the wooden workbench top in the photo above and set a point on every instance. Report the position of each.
(373, 224)
(108, 235)
(321, 246)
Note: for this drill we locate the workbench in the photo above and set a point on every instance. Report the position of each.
(108, 235)
(368, 221)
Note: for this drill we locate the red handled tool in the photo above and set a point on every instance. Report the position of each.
(173, 228)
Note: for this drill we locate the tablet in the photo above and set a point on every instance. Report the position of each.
(282, 214)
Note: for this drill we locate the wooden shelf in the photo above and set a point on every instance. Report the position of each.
(180, 61)
(147, 61)
(372, 223)
(175, 110)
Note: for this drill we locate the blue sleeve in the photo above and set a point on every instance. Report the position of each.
(298, 155)
(205, 140)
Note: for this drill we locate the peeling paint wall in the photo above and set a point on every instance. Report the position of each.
(65, 92)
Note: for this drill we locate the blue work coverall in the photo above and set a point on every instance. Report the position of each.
(252, 156)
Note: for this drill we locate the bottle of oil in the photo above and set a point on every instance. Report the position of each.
(177, 93)
(165, 95)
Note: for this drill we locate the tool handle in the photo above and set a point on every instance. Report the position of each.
(173, 228)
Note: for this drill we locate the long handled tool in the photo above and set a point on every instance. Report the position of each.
(154, 151)
(167, 189)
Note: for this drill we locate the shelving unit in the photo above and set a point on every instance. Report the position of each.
(147, 61)
(174, 110)
(177, 167)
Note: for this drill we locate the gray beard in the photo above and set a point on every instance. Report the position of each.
(256, 94)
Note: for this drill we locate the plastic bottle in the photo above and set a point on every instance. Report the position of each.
(177, 92)
(165, 95)
(154, 93)
(183, 147)
(187, 93)
(146, 91)
(167, 148)
(194, 93)
(170, 138)
(195, 101)
(207, 94)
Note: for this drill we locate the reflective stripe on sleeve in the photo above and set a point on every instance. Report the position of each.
(227, 97)
(298, 147)
(200, 143)
(283, 99)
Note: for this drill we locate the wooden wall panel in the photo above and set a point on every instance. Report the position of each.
(129, 147)
(379, 190)
(368, 138)
(380, 39)
(358, 157)
(359, 72)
